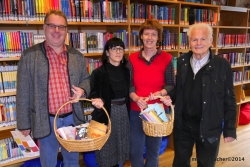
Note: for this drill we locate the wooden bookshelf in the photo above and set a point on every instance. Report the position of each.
(238, 22)
(7, 93)
(7, 127)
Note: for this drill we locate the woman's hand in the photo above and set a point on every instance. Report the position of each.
(166, 100)
(98, 103)
(140, 101)
(78, 92)
(152, 96)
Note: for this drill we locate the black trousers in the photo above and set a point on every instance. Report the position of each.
(184, 141)
(115, 166)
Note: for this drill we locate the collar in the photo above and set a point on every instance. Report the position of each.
(152, 58)
(201, 62)
(48, 47)
(186, 57)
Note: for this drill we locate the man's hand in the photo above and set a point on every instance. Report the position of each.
(25, 132)
(228, 139)
(166, 100)
(78, 92)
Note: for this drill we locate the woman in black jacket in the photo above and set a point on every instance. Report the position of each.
(110, 88)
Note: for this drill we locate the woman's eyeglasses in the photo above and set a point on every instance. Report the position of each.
(116, 49)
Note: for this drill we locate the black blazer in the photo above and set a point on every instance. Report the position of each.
(100, 88)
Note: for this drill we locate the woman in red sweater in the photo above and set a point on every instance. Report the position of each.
(152, 74)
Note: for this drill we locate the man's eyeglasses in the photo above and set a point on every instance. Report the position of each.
(115, 49)
(53, 27)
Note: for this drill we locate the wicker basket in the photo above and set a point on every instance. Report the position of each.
(83, 145)
(159, 129)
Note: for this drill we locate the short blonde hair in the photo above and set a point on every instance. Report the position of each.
(55, 12)
(200, 26)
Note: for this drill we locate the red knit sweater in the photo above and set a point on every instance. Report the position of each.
(148, 78)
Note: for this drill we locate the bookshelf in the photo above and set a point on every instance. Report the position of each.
(237, 23)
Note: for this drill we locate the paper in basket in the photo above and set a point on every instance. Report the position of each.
(159, 109)
(96, 129)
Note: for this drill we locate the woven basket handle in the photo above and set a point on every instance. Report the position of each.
(55, 127)
(171, 106)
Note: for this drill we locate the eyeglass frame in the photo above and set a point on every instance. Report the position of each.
(115, 49)
(53, 26)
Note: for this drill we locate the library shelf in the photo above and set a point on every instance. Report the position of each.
(7, 94)
(7, 127)
(9, 59)
(246, 100)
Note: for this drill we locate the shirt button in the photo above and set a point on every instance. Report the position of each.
(203, 84)
(204, 102)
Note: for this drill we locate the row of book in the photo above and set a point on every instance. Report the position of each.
(75, 10)
(9, 150)
(232, 40)
(8, 66)
(247, 58)
(169, 40)
(7, 111)
(237, 77)
(94, 42)
(15, 42)
(190, 16)
(26, 9)
(246, 76)
(92, 64)
(8, 81)
(183, 41)
(141, 12)
(234, 58)
(89, 11)
(8, 77)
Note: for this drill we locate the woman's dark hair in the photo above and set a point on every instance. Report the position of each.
(113, 42)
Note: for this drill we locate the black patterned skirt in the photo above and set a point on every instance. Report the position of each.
(116, 149)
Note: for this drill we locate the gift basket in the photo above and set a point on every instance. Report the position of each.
(84, 145)
(159, 129)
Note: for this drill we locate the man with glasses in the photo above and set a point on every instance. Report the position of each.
(49, 74)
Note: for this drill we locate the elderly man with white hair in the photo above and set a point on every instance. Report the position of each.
(205, 104)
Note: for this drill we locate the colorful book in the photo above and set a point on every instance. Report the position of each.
(26, 144)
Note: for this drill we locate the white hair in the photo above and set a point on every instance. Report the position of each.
(200, 26)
